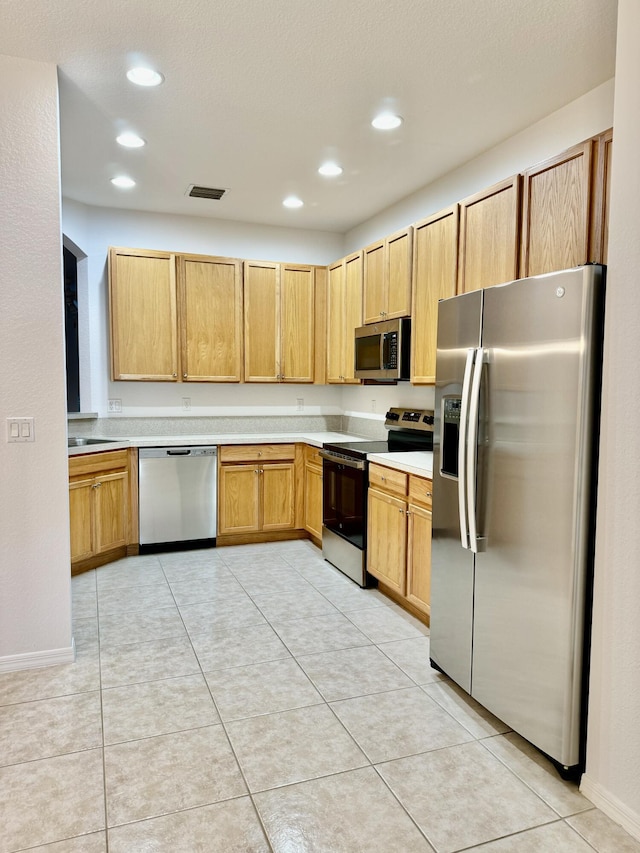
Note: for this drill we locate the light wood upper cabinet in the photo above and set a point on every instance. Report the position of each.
(279, 322)
(297, 296)
(210, 292)
(601, 196)
(143, 312)
(387, 277)
(489, 243)
(344, 315)
(555, 212)
(435, 261)
(261, 321)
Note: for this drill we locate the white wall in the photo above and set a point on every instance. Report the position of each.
(612, 778)
(35, 608)
(579, 120)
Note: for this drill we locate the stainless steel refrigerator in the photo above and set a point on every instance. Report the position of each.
(515, 444)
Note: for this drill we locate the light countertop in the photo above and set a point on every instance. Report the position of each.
(316, 439)
(418, 462)
(413, 462)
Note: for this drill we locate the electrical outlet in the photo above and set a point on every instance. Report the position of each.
(186, 404)
(300, 404)
(374, 406)
(115, 405)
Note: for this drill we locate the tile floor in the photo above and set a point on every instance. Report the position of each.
(253, 699)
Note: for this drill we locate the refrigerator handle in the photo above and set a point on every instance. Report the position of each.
(472, 450)
(462, 449)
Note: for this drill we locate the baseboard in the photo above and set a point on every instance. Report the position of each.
(33, 660)
(611, 806)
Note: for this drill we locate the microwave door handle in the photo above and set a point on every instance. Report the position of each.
(384, 350)
(462, 449)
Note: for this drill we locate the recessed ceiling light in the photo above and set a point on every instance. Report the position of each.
(386, 121)
(130, 140)
(144, 76)
(123, 182)
(330, 170)
(293, 201)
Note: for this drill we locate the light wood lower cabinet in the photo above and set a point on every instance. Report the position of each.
(99, 503)
(387, 540)
(399, 536)
(256, 489)
(313, 493)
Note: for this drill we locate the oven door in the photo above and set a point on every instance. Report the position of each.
(344, 498)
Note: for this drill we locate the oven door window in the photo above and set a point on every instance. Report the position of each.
(344, 501)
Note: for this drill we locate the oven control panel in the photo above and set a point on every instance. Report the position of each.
(414, 419)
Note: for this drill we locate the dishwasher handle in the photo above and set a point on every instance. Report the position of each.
(182, 452)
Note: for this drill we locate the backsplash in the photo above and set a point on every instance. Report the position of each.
(258, 425)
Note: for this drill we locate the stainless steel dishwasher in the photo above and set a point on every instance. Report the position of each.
(177, 494)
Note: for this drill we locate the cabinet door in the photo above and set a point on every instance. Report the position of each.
(352, 314)
(374, 282)
(238, 499)
(399, 266)
(419, 558)
(144, 331)
(278, 496)
(297, 298)
(555, 213)
(335, 321)
(387, 540)
(261, 322)
(489, 236)
(313, 500)
(601, 194)
(435, 253)
(81, 510)
(211, 319)
(111, 494)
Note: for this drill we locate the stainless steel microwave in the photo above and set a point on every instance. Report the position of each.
(382, 350)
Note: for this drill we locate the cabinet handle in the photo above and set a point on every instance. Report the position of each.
(175, 375)
(259, 453)
(408, 513)
(184, 375)
(401, 511)
(428, 494)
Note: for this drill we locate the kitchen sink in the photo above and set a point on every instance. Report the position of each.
(80, 442)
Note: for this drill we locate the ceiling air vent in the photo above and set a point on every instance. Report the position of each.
(205, 192)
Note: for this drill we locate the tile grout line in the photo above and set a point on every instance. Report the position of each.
(224, 728)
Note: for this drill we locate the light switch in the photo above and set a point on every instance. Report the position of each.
(20, 429)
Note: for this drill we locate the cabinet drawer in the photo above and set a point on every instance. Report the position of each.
(420, 490)
(257, 452)
(312, 455)
(387, 479)
(94, 463)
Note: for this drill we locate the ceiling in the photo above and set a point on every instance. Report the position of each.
(258, 93)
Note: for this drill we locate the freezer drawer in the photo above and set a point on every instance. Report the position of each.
(177, 494)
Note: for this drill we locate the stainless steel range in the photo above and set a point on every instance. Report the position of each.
(345, 482)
